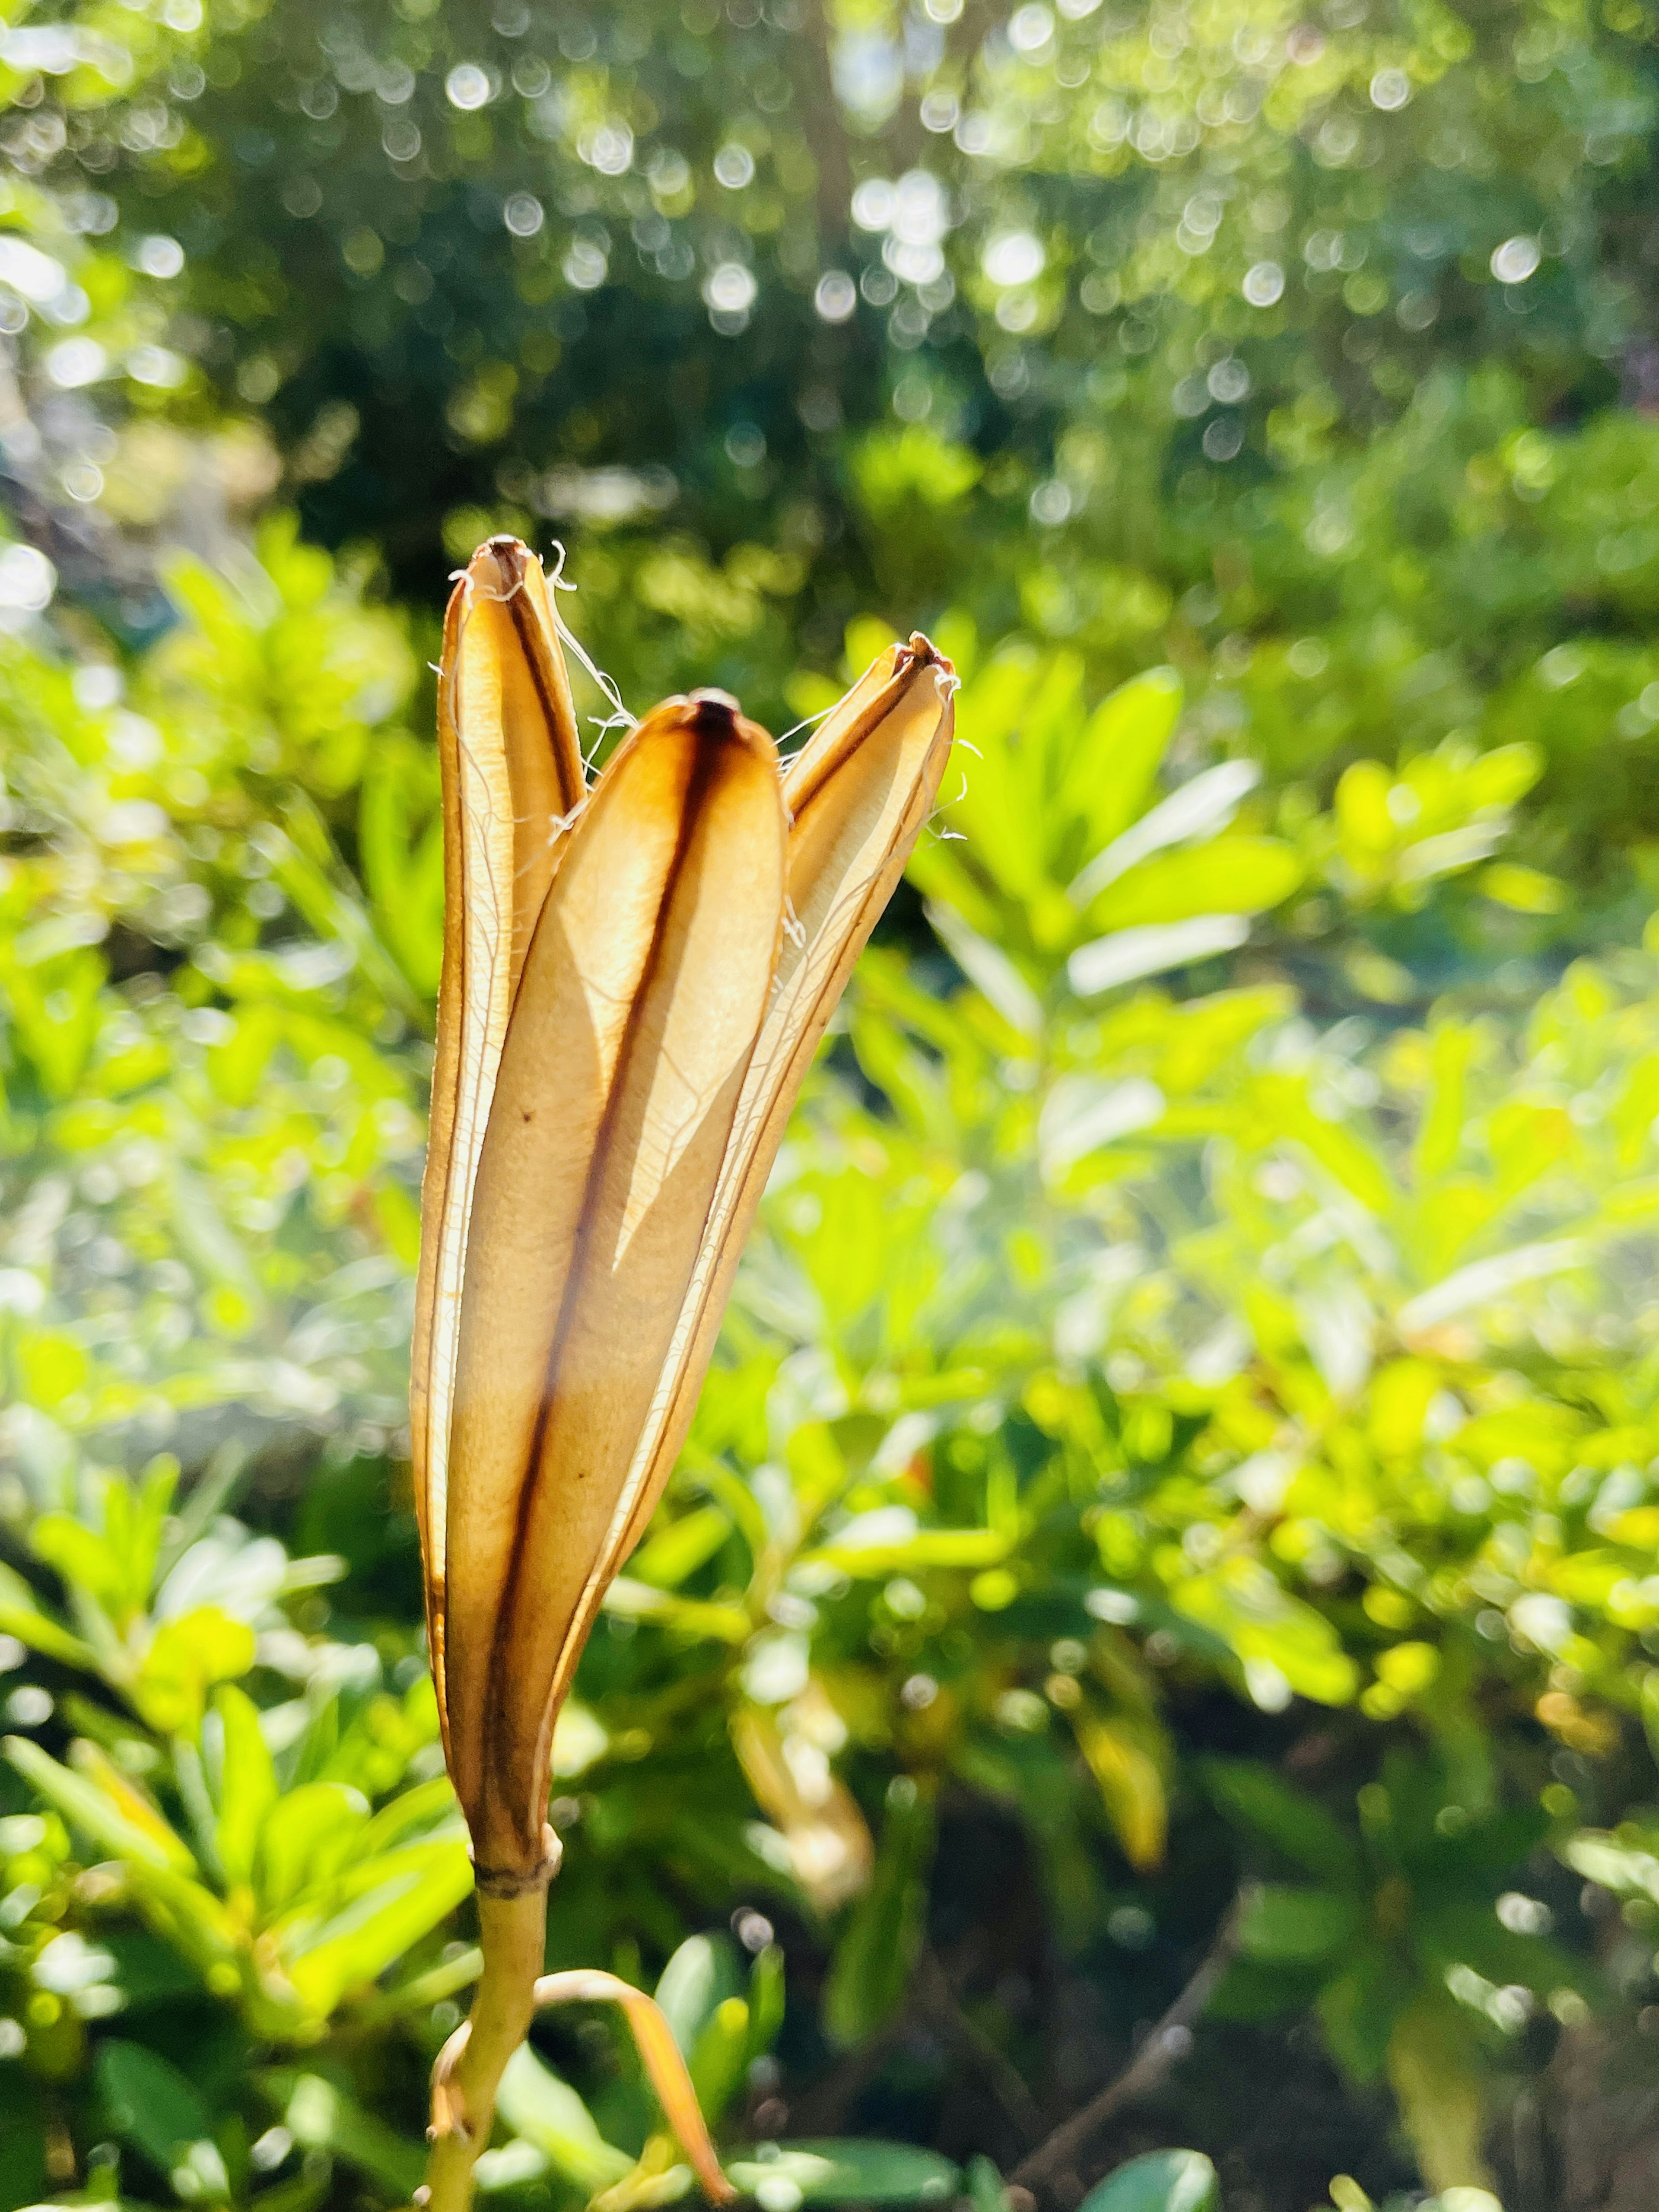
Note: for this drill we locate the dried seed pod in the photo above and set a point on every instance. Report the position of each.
(635, 981)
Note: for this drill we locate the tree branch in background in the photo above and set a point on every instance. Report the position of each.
(821, 125)
(1169, 2043)
(936, 2001)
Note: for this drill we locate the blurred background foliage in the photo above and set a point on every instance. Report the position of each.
(1152, 1639)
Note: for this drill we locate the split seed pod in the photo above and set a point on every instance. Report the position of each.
(634, 980)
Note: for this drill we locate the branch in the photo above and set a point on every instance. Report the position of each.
(1002, 2077)
(822, 125)
(1168, 2043)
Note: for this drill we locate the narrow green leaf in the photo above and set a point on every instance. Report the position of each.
(835, 2171)
(679, 1548)
(321, 2116)
(20, 1616)
(700, 1976)
(91, 1810)
(766, 2000)
(871, 1968)
(718, 2059)
(247, 1784)
(1253, 1797)
(80, 1556)
(307, 1838)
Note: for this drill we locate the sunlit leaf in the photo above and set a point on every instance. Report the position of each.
(832, 2171)
(546, 2112)
(1248, 873)
(1159, 2181)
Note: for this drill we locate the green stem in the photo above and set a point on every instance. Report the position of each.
(513, 1937)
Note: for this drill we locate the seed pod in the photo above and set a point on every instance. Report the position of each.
(634, 981)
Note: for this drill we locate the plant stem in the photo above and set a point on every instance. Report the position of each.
(1169, 2043)
(512, 1935)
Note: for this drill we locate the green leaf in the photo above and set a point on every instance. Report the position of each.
(81, 1557)
(928, 1547)
(720, 2057)
(410, 1812)
(1440, 1131)
(94, 1812)
(986, 2192)
(1194, 811)
(321, 2116)
(310, 872)
(188, 1657)
(871, 1968)
(1127, 956)
(1363, 823)
(20, 1616)
(1237, 874)
(1358, 2010)
(766, 2000)
(546, 2111)
(699, 1977)
(1627, 1872)
(1161, 2181)
(830, 2170)
(194, 1921)
(1251, 1990)
(1116, 758)
(679, 1548)
(990, 971)
(1296, 1927)
(893, 467)
(135, 1518)
(1270, 1629)
(204, 1237)
(148, 2103)
(247, 1784)
(996, 806)
(1344, 1155)
(402, 864)
(1253, 1797)
(945, 876)
(307, 1838)
(1505, 773)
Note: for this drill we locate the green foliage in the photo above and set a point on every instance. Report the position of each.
(275, 1880)
(1109, 1339)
